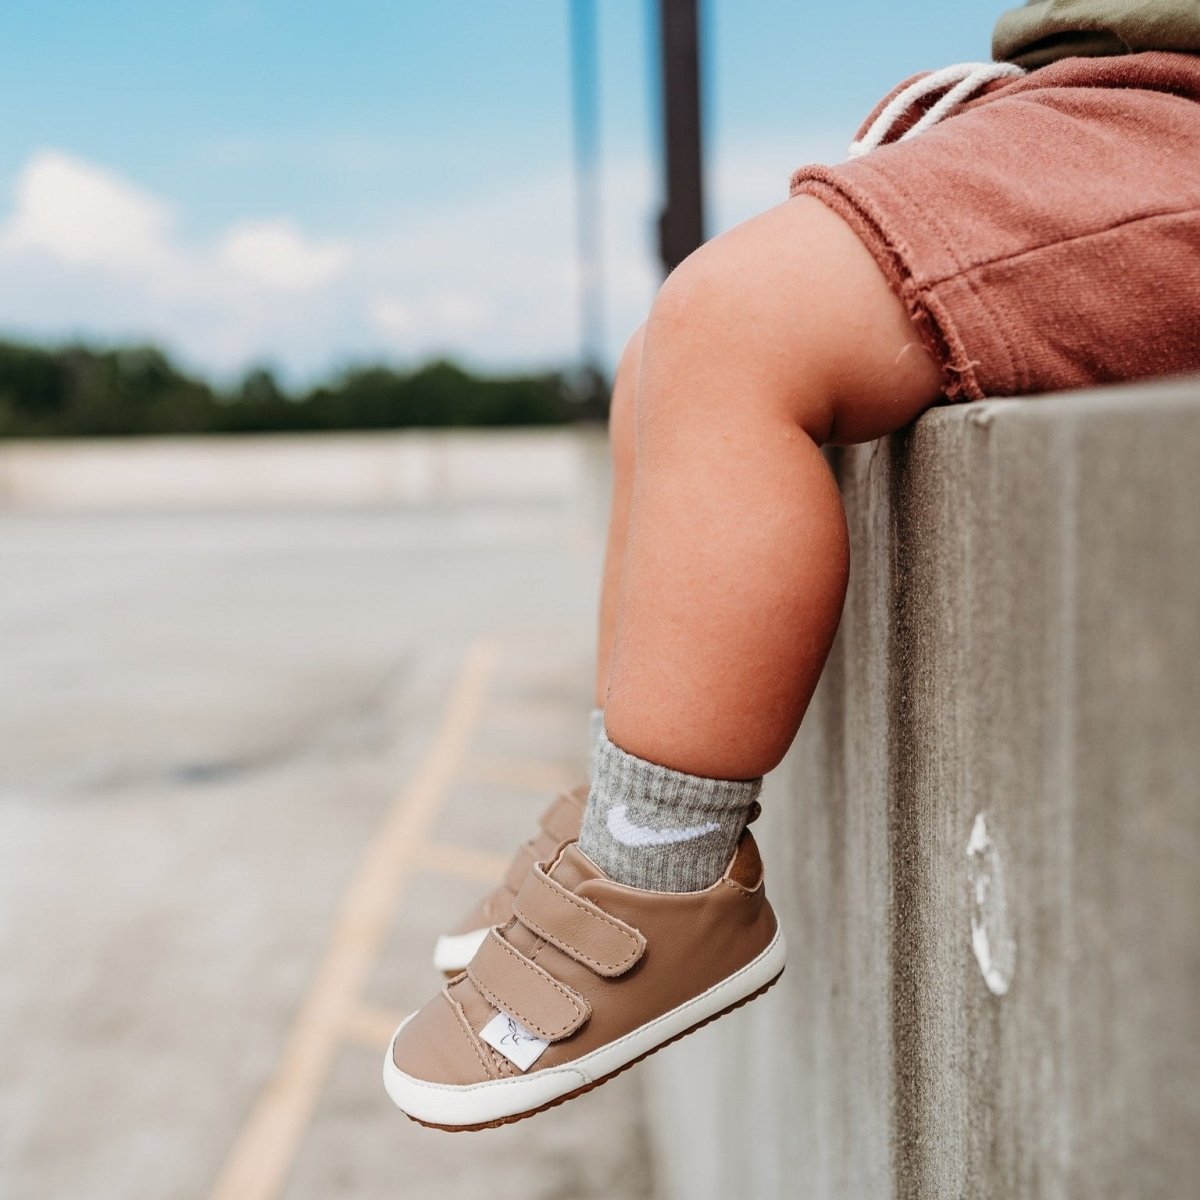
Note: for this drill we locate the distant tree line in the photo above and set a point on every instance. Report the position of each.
(80, 391)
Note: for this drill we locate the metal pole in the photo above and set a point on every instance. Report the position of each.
(681, 225)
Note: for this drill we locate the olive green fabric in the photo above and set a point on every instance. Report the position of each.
(1045, 30)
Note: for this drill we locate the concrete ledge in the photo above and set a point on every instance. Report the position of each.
(985, 844)
(405, 467)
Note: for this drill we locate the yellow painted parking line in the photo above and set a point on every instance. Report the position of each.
(520, 774)
(476, 865)
(371, 1026)
(257, 1166)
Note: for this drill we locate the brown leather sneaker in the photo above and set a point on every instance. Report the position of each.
(587, 978)
(559, 824)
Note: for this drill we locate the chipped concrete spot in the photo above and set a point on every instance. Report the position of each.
(991, 937)
(980, 414)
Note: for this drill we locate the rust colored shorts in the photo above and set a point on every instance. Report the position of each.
(1046, 234)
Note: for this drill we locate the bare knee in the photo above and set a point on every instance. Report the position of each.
(790, 314)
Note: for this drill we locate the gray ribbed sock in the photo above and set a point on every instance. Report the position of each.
(595, 732)
(650, 827)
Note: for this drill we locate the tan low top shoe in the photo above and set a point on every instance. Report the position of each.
(587, 978)
(559, 824)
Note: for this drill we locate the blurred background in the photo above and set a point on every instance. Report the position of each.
(290, 665)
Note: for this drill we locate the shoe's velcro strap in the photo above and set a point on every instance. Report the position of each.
(561, 819)
(577, 926)
(513, 984)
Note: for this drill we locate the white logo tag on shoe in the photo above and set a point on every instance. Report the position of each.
(623, 830)
(513, 1040)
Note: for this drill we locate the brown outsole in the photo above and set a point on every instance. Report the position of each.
(587, 1087)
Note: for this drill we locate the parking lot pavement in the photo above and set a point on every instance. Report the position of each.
(250, 764)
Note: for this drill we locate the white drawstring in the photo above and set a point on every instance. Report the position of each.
(963, 81)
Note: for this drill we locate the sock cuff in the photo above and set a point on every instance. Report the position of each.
(624, 776)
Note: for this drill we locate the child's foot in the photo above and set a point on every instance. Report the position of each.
(587, 978)
(558, 825)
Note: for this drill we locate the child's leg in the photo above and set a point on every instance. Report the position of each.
(771, 340)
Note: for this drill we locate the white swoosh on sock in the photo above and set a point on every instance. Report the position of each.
(623, 830)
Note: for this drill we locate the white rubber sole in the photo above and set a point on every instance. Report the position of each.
(465, 1106)
(452, 951)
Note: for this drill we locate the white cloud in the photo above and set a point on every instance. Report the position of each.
(278, 256)
(392, 317)
(440, 315)
(83, 214)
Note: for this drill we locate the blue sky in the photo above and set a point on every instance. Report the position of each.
(307, 184)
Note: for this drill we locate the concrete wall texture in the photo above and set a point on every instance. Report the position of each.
(985, 844)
